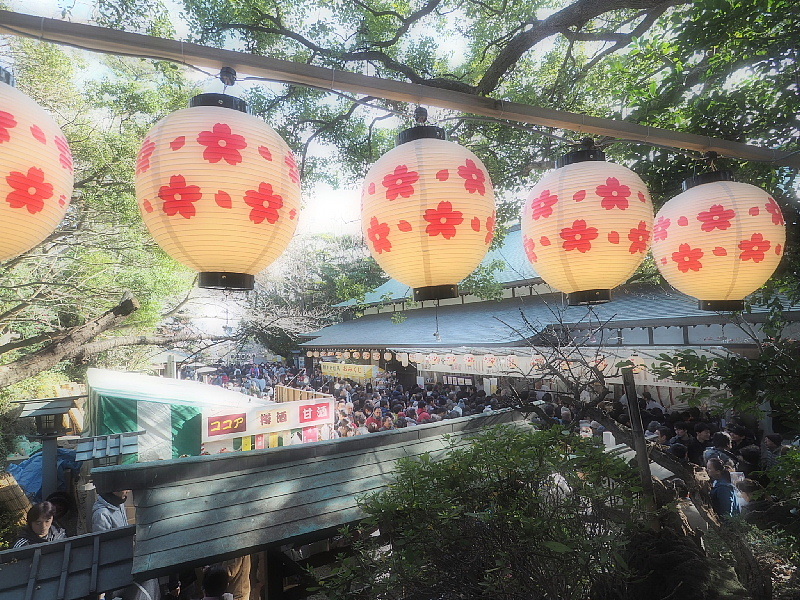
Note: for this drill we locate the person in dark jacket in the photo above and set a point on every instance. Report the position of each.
(39, 528)
(724, 498)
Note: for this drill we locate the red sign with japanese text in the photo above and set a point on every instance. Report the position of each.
(314, 412)
(226, 424)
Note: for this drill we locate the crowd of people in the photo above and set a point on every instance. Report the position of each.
(733, 452)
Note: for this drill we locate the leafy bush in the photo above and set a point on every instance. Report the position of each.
(516, 513)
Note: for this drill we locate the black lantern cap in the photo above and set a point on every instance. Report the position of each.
(709, 177)
(588, 151)
(7, 77)
(721, 305)
(221, 280)
(587, 297)
(220, 100)
(435, 292)
(420, 130)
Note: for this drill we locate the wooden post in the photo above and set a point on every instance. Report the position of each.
(640, 446)
(49, 465)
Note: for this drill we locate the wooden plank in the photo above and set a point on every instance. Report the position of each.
(112, 41)
(34, 573)
(171, 472)
(62, 581)
(197, 488)
(266, 503)
(155, 561)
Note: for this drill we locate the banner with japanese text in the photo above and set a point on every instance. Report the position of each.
(221, 424)
(347, 370)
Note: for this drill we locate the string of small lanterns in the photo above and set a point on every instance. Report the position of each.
(219, 191)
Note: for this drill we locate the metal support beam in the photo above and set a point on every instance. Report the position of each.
(112, 41)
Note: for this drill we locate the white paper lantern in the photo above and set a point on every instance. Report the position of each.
(719, 240)
(35, 172)
(387, 356)
(587, 226)
(428, 212)
(219, 190)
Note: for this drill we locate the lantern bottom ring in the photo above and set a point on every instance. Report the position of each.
(435, 292)
(584, 297)
(721, 305)
(226, 281)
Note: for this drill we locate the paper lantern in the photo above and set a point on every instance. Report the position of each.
(489, 361)
(587, 226)
(719, 240)
(356, 354)
(377, 356)
(309, 354)
(387, 356)
(469, 360)
(219, 190)
(35, 172)
(428, 212)
(345, 355)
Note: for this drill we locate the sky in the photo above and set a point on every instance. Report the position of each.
(325, 209)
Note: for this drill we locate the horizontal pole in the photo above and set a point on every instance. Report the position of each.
(113, 41)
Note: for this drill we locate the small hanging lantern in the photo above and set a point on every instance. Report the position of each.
(719, 240)
(356, 354)
(219, 190)
(587, 225)
(309, 354)
(428, 211)
(35, 171)
(387, 356)
(376, 356)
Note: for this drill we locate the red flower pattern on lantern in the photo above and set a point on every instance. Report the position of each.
(578, 237)
(660, 229)
(222, 144)
(716, 217)
(755, 248)
(38, 134)
(179, 197)
(400, 182)
(491, 223)
(145, 152)
(529, 246)
(378, 234)
(775, 210)
(639, 236)
(30, 190)
(614, 194)
(64, 153)
(442, 220)
(294, 173)
(543, 205)
(7, 121)
(688, 258)
(264, 202)
(474, 177)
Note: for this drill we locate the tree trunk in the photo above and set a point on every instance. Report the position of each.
(68, 346)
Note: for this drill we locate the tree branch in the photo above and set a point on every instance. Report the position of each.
(574, 15)
(69, 345)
